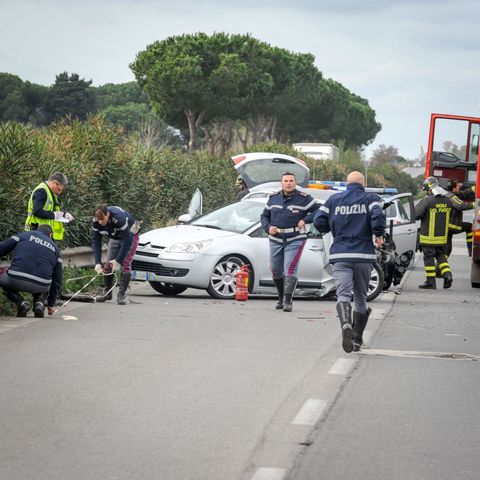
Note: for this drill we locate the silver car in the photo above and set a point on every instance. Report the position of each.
(207, 252)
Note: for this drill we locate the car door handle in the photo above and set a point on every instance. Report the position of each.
(317, 249)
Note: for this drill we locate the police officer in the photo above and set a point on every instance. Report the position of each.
(461, 200)
(36, 268)
(353, 217)
(434, 211)
(44, 206)
(122, 230)
(284, 219)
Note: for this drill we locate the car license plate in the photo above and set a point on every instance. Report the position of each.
(142, 276)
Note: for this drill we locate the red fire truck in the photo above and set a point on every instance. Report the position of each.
(453, 153)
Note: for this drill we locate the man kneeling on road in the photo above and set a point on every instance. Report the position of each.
(36, 268)
(122, 230)
(353, 217)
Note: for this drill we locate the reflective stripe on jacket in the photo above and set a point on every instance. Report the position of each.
(434, 212)
(51, 205)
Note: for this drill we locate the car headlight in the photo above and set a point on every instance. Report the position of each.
(187, 247)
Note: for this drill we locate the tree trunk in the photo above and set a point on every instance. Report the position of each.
(193, 126)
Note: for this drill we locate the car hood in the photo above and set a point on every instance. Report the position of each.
(167, 236)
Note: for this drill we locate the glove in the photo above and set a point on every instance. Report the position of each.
(69, 216)
(59, 215)
(473, 188)
(115, 265)
(98, 268)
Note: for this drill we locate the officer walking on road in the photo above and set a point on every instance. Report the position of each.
(434, 211)
(461, 200)
(284, 219)
(353, 217)
(36, 268)
(44, 206)
(122, 230)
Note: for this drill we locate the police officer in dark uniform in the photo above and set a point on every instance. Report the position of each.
(284, 219)
(122, 230)
(434, 211)
(461, 200)
(36, 268)
(353, 217)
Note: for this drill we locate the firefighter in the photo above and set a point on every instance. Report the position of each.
(461, 200)
(44, 206)
(36, 268)
(284, 219)
(353, 217)
(122, 230)
(434, 211)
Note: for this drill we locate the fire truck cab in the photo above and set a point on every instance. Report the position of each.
(453, 153)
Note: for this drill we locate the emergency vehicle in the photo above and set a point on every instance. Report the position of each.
(453, 153)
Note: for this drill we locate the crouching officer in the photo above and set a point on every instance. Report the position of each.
(434, 211)
(122, 230)
(353, 217)
(461, 200)
(284, 219)
(36, 268)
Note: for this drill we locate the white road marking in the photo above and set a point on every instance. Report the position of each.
(69, 317)
(310, 412)
(342, 366)
(269, 474)
(415, 354)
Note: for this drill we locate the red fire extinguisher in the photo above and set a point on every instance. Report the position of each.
(241, 277)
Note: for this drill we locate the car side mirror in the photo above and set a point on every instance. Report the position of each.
(184, 218)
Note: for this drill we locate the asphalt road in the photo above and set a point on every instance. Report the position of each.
(191, 388)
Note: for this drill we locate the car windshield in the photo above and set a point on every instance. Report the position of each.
(236, 217)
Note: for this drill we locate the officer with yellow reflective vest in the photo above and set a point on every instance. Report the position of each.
(461, 200)
(434, 211)
(44, 206)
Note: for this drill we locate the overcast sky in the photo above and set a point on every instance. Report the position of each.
(408, 58)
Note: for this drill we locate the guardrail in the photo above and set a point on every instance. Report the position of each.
(73, 257)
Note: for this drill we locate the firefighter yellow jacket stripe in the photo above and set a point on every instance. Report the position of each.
(434, 213)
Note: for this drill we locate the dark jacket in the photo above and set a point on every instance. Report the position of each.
(285, 211)
(36, 259)
(118, 227)
(456, 215)
(434, 212)
(353, 217)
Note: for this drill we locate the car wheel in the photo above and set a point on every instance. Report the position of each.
(167, 289)
(222, 280)
(377, 281)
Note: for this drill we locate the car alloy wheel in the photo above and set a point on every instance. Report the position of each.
(222, 281)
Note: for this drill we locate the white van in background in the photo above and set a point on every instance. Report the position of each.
(319, 151)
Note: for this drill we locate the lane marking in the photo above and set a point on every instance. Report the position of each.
(310, 412)
(342, 366)
(69, 317)
(414, 354)
(269, 474)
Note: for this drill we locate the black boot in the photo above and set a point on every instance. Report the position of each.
(122, 288)
(429, 284)
(39, 305)
(108, 280)
(344, 310)
(289, 287)
(447, 280)
(279, 284)
(359, 323)
(22, 305)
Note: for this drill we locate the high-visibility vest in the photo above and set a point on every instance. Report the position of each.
(51, 205)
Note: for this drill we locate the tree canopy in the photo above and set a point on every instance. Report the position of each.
(223, 84)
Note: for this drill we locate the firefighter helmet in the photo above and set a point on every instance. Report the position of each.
(429, 183)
